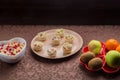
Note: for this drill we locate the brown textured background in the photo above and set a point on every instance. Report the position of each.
(32, 67)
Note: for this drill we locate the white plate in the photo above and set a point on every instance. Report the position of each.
(77, 44)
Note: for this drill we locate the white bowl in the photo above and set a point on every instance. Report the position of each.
(18, 56)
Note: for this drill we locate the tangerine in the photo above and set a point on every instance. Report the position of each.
(118, 48)
(111, 44)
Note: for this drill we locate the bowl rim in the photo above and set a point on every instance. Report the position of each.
(112, 71)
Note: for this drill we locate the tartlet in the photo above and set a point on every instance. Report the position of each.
(52, 52)
(60, 32)
(38, 46)
(56, 40)
(67, 48)
(42, 36)
(69, 38)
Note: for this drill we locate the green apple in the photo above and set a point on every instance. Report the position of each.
(112, 58)
(94, 46)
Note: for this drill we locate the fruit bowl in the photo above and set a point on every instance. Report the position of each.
(11, 52)
(101, 55)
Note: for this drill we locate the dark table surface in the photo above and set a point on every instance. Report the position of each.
(33, 67)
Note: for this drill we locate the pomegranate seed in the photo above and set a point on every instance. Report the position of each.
(11, 48)
(18, 50)
(4, 51)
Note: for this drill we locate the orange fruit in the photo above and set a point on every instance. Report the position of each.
(111, 44)
(118, 48)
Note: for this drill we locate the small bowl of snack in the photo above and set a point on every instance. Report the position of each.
(12, 51)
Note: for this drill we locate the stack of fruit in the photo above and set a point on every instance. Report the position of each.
(92, 55)
(97, 55)
(112, 56)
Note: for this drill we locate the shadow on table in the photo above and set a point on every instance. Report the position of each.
(9, 64)
(45, 60)
(99, 73)
(6, 69)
